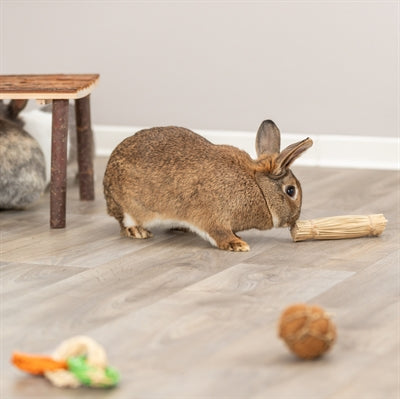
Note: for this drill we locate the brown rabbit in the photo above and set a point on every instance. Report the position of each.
(172, 176)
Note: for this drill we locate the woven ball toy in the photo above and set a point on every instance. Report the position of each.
(77, 361)
(307, 330)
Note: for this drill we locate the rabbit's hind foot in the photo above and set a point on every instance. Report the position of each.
(131, 228)
(136, 232)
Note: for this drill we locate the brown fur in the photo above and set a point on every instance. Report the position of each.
(171, 173)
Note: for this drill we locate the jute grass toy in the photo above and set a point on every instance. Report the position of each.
(77, 361)
(339, 227)
(307, 330)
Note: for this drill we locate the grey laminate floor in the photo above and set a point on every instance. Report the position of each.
(181, 319)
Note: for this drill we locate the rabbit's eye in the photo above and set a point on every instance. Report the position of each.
(291, 191)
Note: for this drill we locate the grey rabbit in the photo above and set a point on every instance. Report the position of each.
(174, 177)
(22, 164)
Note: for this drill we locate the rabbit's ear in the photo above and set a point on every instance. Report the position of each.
(15, 107)
(292, 152)
(268, 140)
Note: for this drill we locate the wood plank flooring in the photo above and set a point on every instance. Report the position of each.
(181, 319)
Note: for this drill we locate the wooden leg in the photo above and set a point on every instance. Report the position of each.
(85, 148)
(58, 185)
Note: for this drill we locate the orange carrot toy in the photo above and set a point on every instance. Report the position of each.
(36, 364)
(77, 361)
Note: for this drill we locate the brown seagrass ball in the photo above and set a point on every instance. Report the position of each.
(307, 330)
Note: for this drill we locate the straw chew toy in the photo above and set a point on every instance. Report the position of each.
(307, 330)
(77, 361)
(338, 227)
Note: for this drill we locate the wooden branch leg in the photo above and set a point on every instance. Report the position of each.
(58, 185)
(85, 148)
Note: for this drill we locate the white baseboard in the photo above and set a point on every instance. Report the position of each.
(337, 151)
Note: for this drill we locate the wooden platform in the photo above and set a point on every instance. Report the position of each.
(37, 87)
(59, 89)
(181, 319)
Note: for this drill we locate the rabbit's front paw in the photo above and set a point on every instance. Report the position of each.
(236, 245)
(136, 232)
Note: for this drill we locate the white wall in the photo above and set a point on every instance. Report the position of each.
(315, 67)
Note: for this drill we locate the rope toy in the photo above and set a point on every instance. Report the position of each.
(77, 361)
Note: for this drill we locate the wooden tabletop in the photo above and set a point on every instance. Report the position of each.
(47, 87)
